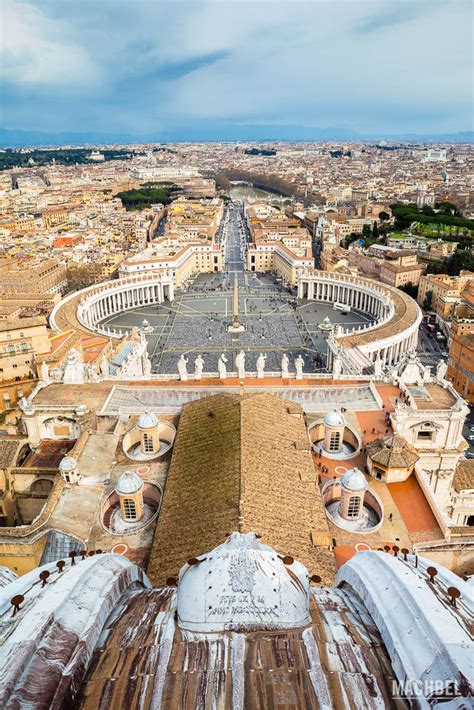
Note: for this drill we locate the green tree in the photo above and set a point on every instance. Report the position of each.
(384, 216)
(410, 289)
(428, 300)
(375, 231)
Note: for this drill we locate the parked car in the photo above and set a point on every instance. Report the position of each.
(469, 455)
(471, 437)
(444, 353)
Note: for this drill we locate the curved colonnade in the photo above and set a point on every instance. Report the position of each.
(398, 318)
(89, 306)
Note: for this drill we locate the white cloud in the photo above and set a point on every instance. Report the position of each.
(36, 50)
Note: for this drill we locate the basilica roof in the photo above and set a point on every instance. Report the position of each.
(95, 635)
(240, 463)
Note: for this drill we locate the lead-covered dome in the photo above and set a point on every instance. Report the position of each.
(67, 464)
(243, 584)
(334, 419)
(354, 480)
(147, 420)
(128, 483)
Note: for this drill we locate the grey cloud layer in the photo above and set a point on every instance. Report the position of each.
(397, 65)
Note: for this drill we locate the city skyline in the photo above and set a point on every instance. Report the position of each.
(240, 71)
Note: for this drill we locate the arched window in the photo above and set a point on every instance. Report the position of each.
(148, 443)
(24, 345)
(129, 509)
(334, 441)
(353, 507)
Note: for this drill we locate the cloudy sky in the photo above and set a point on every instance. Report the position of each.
(173, 67)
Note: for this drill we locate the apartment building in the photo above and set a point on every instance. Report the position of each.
(461, 365)
(184, 263)
(444, 291)
(30, 275)
(394, 267)
(21, 341)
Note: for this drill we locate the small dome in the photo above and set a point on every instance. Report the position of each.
(68, 463)
(147, 420)
(354, 480)
(128, 482)
(253, 588)
(334, 418)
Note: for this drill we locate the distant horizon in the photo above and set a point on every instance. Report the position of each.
(40, 139)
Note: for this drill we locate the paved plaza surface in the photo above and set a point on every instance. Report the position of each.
(197, 321)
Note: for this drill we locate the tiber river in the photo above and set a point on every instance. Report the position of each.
(238, 192)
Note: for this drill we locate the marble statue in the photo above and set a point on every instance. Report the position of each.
(261, 365)
(182, 369)
(56, 375)
(285, 363)
(90, 373)
(74, 368)
(378, 366)
(45, 376)
(198, 367)
(337, 366)
(104, 366)
(427, 373)
(441, 370)
(221, 366)
(299, 363)
(240, 364)
(25, 405)
(146, 365)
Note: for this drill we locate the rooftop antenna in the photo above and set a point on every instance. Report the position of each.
(60, 564)
(72, 555)
(315, 578)
(432, 572)
(405, 552)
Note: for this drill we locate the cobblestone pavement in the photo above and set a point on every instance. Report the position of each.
(197, 321)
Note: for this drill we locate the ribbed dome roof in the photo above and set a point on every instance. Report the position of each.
(68, 463)
(354, 480)
(334, 418)
(147, 420)
(129, 482)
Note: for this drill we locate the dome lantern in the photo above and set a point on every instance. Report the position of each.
(334, 425)
(129, 489)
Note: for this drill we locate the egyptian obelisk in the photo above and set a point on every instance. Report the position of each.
(236, 326)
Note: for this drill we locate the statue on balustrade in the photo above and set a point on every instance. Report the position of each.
(285, 363)
(240, 364)
(261, 365)
(299, 364)
(182, 369)
(198, 367)
(441, 369)
(221, 366)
